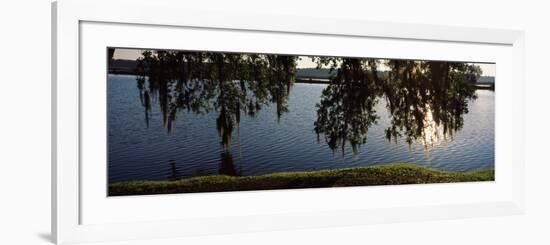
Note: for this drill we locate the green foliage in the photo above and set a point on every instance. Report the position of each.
(346, 110)
(426, 100)
(228, 83)
(393, 174)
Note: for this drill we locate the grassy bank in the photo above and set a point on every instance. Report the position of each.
(393, 174)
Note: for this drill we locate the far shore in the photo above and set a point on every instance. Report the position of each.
(391, 174)
(302, 79)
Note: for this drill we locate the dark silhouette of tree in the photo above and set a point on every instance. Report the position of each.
(110, 53)
(174, 173)
(426, 100)
(346, 110)
(227, 166)
(227, 83)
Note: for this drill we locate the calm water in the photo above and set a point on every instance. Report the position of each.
(263, 145)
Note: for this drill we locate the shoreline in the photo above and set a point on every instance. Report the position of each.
(318, 80)
(390, 174)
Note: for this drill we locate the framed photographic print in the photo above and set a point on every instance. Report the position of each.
(173, 125)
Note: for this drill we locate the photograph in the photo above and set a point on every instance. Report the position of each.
(195, 121)
(274, 122)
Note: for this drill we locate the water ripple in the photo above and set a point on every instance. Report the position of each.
(264, 145)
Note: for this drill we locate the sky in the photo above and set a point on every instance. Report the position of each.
(304, 62)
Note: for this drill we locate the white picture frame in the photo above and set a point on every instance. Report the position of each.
(69, 198)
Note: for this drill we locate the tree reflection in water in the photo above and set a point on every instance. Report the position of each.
(426, 100)
(228, 83)
(346, 110)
